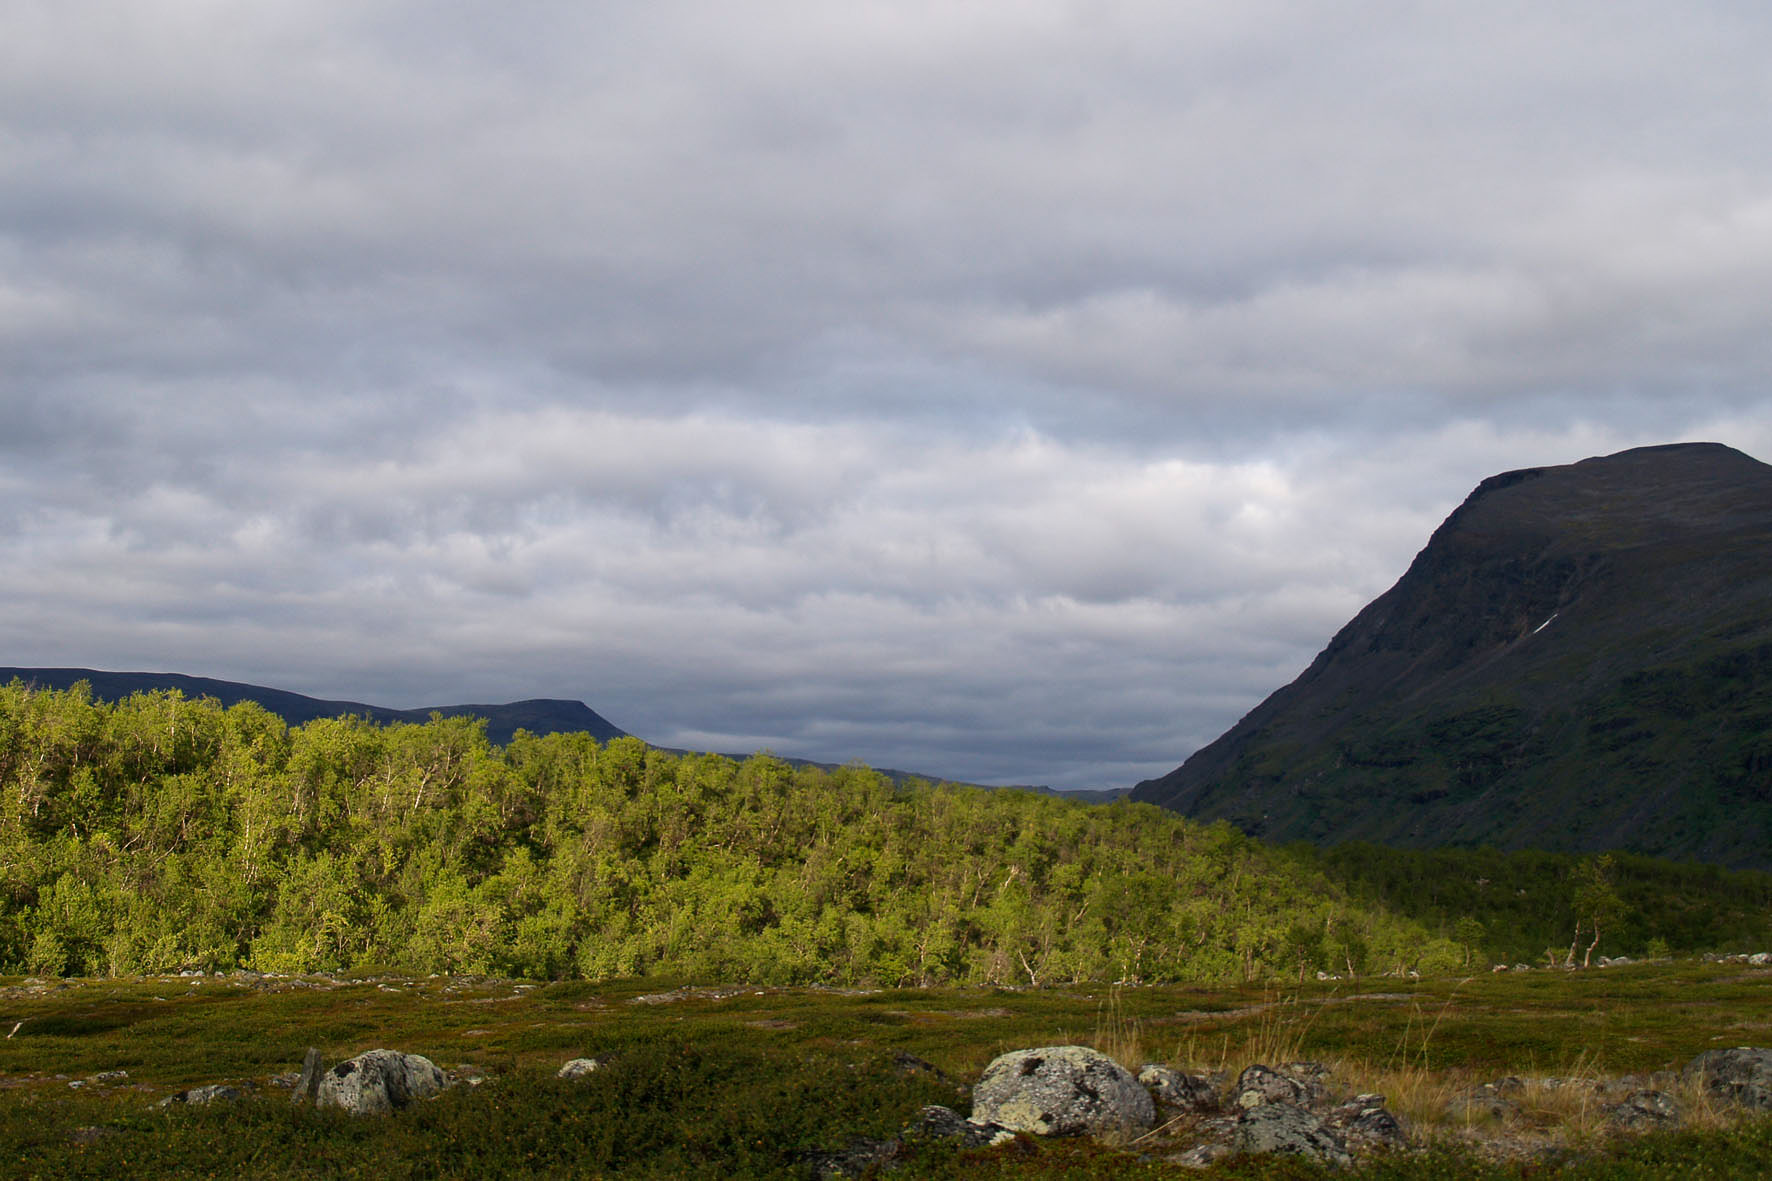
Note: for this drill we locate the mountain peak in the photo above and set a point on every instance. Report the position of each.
(1503, 690)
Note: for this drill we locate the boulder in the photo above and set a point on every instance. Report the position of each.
(579, 1067)
(1742, 1076)
(1063, 1091)
(1176, 1091)
(1289, 1130)
(379, 1081)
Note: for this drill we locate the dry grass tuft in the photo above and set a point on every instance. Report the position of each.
(1118, 1035)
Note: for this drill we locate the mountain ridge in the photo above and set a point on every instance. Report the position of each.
(538, 715)
(1603, 621)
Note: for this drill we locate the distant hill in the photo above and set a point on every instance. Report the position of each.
(1580, 658)
(538, 716)
(542, 715)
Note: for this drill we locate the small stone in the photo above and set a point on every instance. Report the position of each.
(1365, 1123)
(204, 1096)
(579, 1067)
(1485, 1102)
(1297, 1083)
(935, 1124)
(1645, 1109)
(1201, 1156)
(860, 1157)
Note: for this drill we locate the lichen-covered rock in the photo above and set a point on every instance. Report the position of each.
(379, 1081)
(1742, 1076)
(1645, 1109)
(307, 1084)
(1297, 1083)
(1289, 1130)
(1364, 1123)
(1179, 1091)
(937, 1124)
(579, 1067)
(1063, 1091)
(203, 1096)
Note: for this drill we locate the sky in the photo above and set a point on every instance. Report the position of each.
(1008, 391)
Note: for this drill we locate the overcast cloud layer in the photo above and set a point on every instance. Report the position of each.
(1009, 391)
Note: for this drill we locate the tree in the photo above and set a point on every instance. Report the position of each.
(1469, 934)
(1597, 903)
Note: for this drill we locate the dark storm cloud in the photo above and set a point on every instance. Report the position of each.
(1017, 391)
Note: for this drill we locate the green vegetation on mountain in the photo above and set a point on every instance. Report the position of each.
(158, 833)
(1579, 660)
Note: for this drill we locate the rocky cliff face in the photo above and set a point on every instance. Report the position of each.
(1580, 658)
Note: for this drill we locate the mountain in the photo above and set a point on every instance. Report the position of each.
(542, 715)
(538, 716)
(1580, 659)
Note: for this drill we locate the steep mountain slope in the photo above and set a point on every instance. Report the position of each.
(538, 716)
(1580, 658)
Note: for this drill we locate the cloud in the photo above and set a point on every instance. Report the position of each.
(1009, 390)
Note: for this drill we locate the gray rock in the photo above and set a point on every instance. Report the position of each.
(1063, 1091)
(379, 1081)
(1645, 1109)
(1286, 1129)
(1201, 1156)
(1741, 1076)
(937, 1124)
(204, 1096)
(579, 1067)
(1364, 1122)
(307, 1084)
(1178, 1091)
(1297, 1083)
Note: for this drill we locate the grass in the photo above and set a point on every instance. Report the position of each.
(746, 1082)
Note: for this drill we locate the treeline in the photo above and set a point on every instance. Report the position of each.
(160, 833)
(1514, 907)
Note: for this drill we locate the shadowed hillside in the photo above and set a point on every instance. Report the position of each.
(1580, 658)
